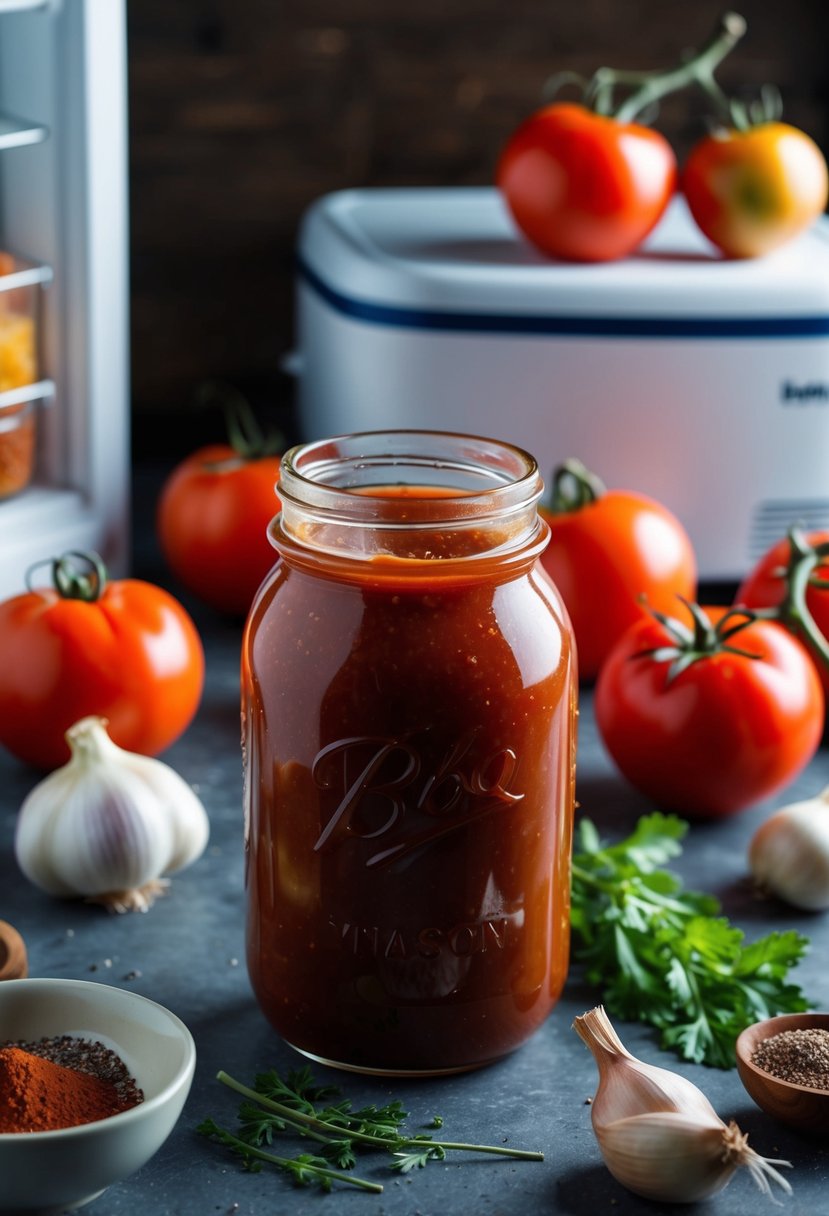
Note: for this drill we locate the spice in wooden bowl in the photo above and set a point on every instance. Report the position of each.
(798, 1056)
(784, 1064)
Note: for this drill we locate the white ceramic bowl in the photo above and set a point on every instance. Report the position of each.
(51, 1172)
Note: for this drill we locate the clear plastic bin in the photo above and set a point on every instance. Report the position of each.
(18, 443)
(20, 388)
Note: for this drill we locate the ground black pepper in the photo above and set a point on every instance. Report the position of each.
(798, 1056)
(89, 1056)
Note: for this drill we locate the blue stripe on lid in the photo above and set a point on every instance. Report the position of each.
(450, 321)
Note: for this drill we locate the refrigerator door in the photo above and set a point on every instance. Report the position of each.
(63, 204)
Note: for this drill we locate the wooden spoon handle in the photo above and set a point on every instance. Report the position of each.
(13, 962)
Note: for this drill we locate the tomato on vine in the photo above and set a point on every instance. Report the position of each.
(755, 183)
(790, 584)
(586, 187)
(708, 717)
(612, 554)
(124, 650)
(589, 181)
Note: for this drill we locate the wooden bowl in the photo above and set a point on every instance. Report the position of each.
(13, 962)
(798, 1105)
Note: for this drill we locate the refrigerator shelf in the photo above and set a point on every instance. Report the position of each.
(20, 6)
(18, 132)
(42, 390)
(26, 273)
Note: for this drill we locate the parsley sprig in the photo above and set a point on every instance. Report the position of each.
(297, 1107)
(664, 955)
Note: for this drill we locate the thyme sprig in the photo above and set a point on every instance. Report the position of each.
(304, 1168)
(297, 1107)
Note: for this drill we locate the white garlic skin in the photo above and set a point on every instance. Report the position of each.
(657, 1132)
(789, 854)
(108, 820)
(667, 1155)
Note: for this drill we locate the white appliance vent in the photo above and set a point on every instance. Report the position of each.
(772, 521)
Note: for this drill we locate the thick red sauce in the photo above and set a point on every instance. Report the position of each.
(409, 739)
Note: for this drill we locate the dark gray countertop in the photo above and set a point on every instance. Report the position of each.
(188, 954)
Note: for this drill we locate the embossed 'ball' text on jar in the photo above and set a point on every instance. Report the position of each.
(409, 705)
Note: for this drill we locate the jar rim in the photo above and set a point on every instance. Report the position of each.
(482, 476)
(424, 498)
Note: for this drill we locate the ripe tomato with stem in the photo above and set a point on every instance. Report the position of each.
(710, 714)
(215, 508)
(612, 554)
(588, 181)
(122, 649)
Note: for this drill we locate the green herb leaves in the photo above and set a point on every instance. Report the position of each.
(663, 955)
(298, 1107)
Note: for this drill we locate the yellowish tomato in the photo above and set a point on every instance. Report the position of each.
(751, 191)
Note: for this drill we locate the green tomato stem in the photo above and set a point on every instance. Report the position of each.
(793, 610)
(244, 433)
(574, 487)
(649, 87)
(70, 582)
(689, 646)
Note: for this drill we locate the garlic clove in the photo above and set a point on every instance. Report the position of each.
(108, 824)
(618, 1097)
(118, 839)
(789, 853)
(189, 826)
(667, 1156)
(657, 1132)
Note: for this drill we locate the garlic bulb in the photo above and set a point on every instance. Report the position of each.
(108, 824)
(658, 1134)
(789, 853)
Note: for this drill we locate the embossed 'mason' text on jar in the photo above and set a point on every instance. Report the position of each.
(409, 693)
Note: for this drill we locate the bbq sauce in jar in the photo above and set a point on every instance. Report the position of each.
(409, 705)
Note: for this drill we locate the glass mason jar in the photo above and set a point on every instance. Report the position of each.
(409, 704)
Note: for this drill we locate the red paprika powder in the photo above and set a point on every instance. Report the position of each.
(37, 1095)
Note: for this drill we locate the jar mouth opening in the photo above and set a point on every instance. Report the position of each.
(440, 476)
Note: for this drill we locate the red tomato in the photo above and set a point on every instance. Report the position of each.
(213, 517)
(583, 186)
(725, 731)
(613, 555)
(750, 191)
(125, 650)
(766, 586)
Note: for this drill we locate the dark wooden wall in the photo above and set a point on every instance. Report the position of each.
(244, 111)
